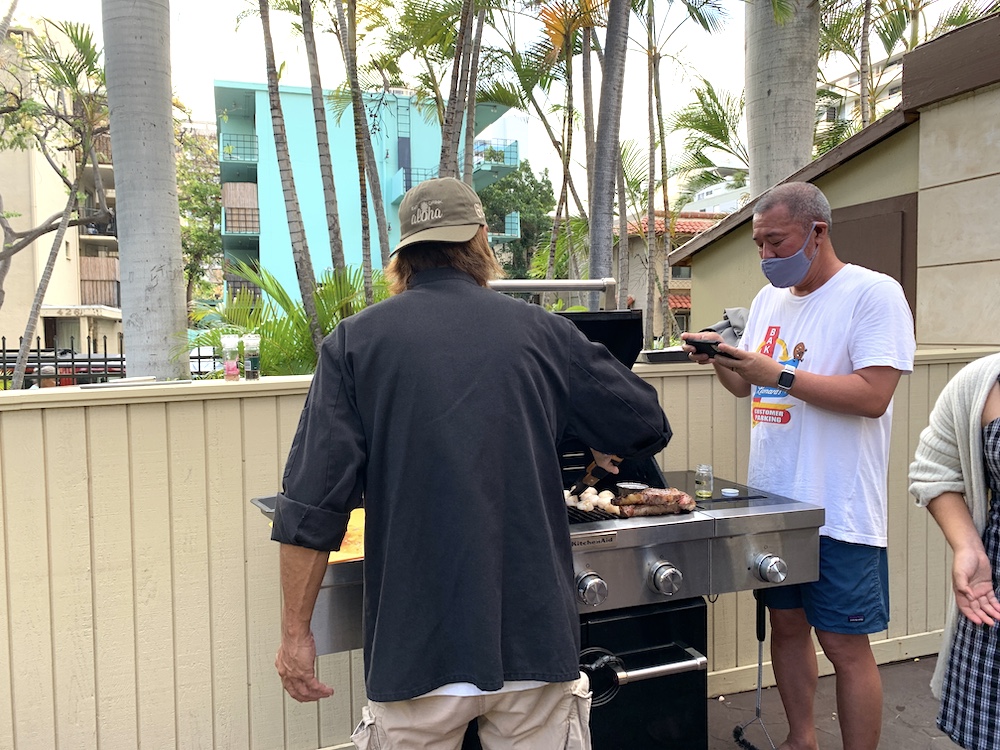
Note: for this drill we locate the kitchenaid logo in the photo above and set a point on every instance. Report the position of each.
(600, 539)
(425, 211)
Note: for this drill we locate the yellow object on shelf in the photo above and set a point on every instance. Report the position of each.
(353, 546)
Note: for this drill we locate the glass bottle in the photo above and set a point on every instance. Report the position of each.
(231, 356)
(703, 481)
(251, 356)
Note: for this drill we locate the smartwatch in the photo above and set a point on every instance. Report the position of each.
(786, 378)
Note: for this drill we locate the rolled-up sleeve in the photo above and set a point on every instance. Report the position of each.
(325, 472)
(613, 409)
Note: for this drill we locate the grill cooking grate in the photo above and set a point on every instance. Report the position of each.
(584, 516)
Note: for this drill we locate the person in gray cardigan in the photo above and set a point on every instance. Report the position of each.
(956, 470)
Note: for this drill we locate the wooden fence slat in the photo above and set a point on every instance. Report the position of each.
(6, 696)
(114, 592)
(152, 553)
(28, 582)
(67, 482)
(259, 436)
(185, 424)
(227, 514)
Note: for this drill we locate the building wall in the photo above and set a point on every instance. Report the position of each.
(425, 138)
(958, 260)
(139, 589)
(33, 192)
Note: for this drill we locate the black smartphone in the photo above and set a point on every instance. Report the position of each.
(709, 348)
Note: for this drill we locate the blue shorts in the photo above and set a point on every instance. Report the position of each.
(851, 595)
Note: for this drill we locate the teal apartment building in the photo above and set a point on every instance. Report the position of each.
(406, 140)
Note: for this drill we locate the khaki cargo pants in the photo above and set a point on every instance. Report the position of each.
(552, 717)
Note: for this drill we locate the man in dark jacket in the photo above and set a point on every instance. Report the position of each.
(441, 410)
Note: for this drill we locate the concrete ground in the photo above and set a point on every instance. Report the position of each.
(908, 715)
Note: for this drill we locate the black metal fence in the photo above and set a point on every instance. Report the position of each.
(94, 365)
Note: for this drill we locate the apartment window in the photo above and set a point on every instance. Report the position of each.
(680, 272)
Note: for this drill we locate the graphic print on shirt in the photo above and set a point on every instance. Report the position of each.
(770, 403)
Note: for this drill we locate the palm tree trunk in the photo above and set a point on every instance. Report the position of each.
(608, 124)
(296, 229)
(360, 132)
(623, 243)
(461, 100)
(137, 66)
(867, 107)
(650, 183)
(5, 23)
(470, 108)
(17, 381)
(375, 185)
(781, 64)
(568, 127)
(669, 322)
(550, 271)
(557, 145)
(588, 106)
(322, 138)
(451, 112)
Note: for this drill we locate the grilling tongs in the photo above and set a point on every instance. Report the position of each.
(594, 475)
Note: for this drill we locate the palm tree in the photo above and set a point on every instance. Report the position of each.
(280, 320)
(533, 71)
(5, 23)
(608, 125)
(349, 43)
(154, 313)
(470, 113)
(451, 127)
(711, 127)
(69, 108)
(322, 137)
(782, 56)
(898, 26)
(296, 229)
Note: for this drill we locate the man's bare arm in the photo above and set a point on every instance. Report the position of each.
(302, 572)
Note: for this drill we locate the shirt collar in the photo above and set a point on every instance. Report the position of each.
(439, 274)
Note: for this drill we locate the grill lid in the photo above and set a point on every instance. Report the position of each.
(619, 330)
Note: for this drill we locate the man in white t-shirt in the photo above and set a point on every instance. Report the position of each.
(824, 347)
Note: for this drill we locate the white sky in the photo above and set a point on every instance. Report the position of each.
(206, 46)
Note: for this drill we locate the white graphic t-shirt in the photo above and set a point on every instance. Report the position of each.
(857, 319)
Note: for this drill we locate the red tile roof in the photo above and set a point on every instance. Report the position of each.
(687, 223)
(679, 301)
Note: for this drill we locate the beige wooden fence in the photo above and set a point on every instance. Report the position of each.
(139, 590)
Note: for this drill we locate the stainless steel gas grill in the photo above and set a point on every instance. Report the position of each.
(640, 583)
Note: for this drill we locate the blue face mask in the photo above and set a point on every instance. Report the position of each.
(790, 271)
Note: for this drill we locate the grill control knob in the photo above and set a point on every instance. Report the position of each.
(770, 568)
(665, 579)
(591, 589)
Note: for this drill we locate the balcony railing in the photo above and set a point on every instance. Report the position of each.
(236, 220)
(238, 147)
(496, 151)
(107, 293)
(413, 177)
(236, 284)
(100, 228)
(510, 227)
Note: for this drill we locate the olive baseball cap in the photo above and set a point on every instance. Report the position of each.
(440, 210)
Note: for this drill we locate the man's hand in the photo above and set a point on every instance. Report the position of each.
(606, 461)
(296, 664)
